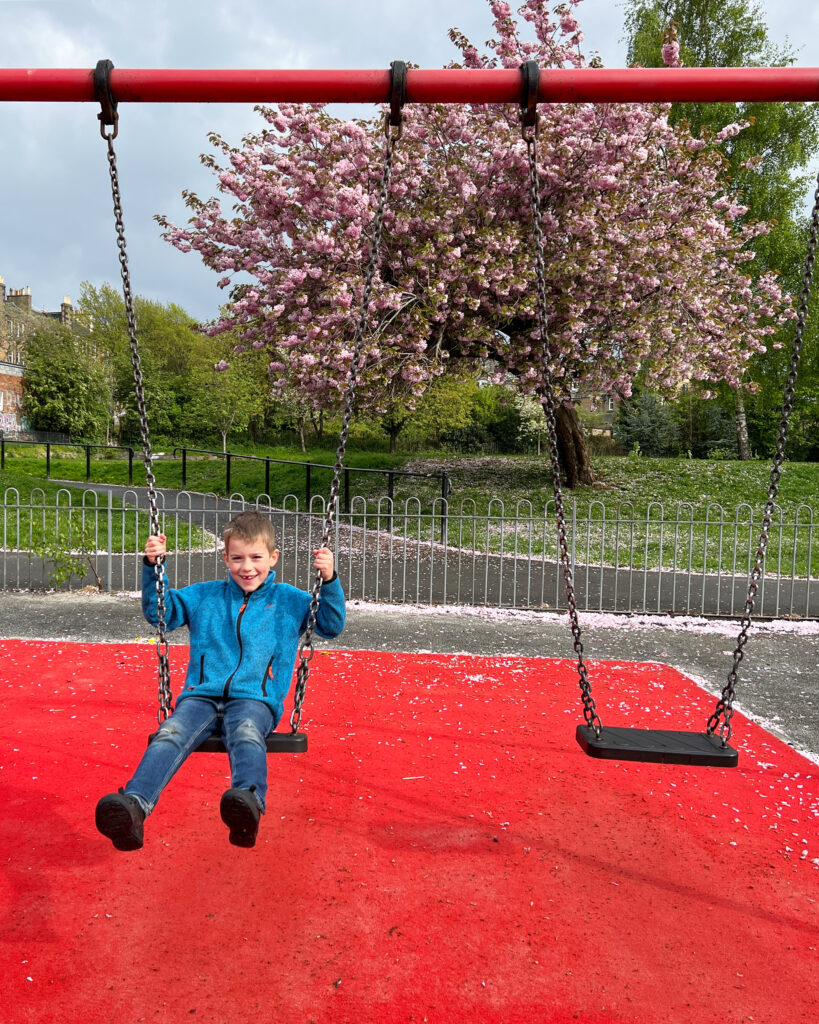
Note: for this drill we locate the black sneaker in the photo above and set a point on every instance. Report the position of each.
(120, 817)
(240, 812)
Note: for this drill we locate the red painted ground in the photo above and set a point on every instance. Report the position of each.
(444, 852)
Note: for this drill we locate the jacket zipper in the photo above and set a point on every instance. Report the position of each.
(268, 674)
(202, 670)
(226, 691)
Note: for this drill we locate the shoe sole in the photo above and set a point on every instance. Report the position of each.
(240, 819)
(115, 822)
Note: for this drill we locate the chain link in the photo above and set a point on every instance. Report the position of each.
(547, 400)
(724, 711)
(163, 669)
(306, 650)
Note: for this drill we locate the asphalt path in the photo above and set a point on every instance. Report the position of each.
(778, 680)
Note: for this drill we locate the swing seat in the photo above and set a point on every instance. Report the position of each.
(657, 746)
(276, 743)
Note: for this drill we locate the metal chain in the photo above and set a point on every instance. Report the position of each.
(163, 669)
(725, 705)
(306, 650)
(547, 400)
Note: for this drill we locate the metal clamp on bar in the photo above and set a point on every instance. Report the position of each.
(398, 97)
(102, 90)
(528, 97)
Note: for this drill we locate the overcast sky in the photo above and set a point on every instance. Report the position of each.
(55, 210)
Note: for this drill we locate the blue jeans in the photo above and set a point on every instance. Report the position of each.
(243, 724)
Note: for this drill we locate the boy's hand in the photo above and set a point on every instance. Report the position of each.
(324, 562)
(155, 547)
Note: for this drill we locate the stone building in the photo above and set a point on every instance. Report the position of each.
(18, 319)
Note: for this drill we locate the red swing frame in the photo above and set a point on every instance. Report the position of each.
(451, 85)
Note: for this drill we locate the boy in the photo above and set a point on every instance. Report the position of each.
(244, 634)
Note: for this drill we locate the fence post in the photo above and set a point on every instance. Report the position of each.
(308, 484)
(346, 490)
(445, 489)
(111, 539)
(130, 466)
(2, 452)
(87, 463)
(267, 475)
(184, 467)
(48, 460)
(227, 474)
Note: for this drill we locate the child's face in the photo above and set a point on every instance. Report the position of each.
(249, 562)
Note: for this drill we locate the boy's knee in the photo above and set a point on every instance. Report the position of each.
(168, 732)
(247, 731)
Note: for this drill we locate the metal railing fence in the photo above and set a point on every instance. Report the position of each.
(52, 451)
(49, 446)
(230, 457)
(681, 561)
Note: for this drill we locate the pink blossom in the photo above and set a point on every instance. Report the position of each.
(671, 53)
(637, 248)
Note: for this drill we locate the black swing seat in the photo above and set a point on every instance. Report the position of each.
(659, 746)
(276, 743)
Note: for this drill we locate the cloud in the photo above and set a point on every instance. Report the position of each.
(54, 202)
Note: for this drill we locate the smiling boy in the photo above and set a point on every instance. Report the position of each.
(244, 634)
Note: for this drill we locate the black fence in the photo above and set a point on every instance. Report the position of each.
(391, 474)
(88, 448)
(229, 458)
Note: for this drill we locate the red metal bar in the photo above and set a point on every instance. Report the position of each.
(592, 85)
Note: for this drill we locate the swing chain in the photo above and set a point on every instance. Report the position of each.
(725, 705)
(529, 129)
(109, 116)
(392, 129)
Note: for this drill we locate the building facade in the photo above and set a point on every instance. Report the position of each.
(18, 319)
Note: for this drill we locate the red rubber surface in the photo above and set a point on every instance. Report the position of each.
(444, 852)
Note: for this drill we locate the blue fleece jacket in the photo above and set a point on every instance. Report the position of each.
(243, 645)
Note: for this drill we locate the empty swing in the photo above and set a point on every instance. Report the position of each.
(710, 747)
(276, 742)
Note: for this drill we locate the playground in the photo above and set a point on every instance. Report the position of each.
(444, 851)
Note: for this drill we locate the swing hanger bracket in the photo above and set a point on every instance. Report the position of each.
(393, 122)
(108, 115)
(530, 84)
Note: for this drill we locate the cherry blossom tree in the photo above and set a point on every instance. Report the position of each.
(647, 265)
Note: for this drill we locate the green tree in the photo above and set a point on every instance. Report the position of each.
(446, 406)
(172, 352)
(533, 425)
(64, 387)
(225, 400)
(705, 426)
(767, 161)
(646, 424)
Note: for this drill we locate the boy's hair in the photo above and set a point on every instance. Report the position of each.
(250, 526)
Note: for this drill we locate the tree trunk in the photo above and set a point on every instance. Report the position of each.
(743, 443)
(571, 447)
